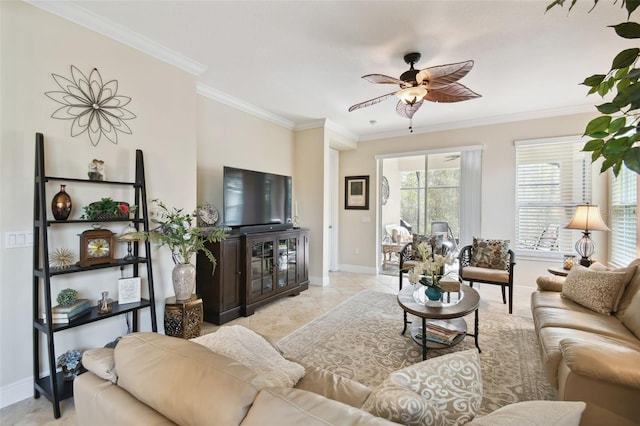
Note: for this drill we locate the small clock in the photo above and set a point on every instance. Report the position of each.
(96, 247)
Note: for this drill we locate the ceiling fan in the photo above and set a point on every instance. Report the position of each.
(435, 84)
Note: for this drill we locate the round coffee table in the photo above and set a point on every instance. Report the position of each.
(459, 304)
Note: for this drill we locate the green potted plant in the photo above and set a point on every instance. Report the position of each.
(71, 364)
(67, 297)
(179, 231)
(106, 208)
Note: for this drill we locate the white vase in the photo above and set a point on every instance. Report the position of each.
(184, 280)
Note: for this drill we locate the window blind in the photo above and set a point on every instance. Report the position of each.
(551, 179)
(624, 217)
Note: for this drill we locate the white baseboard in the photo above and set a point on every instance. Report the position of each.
(359, 269)
(15, 392)
(319, 281)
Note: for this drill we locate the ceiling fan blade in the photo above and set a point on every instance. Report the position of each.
(384, 79)
(407, 110)
(442, 75)
(371, 101)
(454, 92)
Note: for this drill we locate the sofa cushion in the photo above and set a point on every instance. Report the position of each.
(534, 413)
(253, 350)
(586, 321)
(550, 349)
(631, 319)
(596, 290)
(446, 390)
(553, 299)
(296, 407)
(101, 363)
(184, 381)
(628, 311)
(489, 253)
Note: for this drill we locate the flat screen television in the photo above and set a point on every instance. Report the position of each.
(256, 199)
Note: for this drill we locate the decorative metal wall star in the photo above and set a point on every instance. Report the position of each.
(94, 107)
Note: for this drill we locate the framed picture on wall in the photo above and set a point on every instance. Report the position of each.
(356, 192)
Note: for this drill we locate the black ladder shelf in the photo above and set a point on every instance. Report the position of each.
(54, 387)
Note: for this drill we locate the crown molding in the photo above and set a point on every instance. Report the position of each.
(115, 31)
(216, 95)
(498, 119)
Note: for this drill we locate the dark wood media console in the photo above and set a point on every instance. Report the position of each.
(253, 270)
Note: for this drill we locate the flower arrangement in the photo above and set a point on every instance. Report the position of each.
(432, 266)
(71, 363)
(106, 208)
(180, 232)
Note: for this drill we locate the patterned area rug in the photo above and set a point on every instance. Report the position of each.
(360, 339)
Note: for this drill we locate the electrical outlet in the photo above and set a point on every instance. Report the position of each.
(17, 239)
(356, 250)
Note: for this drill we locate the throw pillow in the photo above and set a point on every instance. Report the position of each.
(446, 390)
(629, 271)
(489, 253)
(534, 413)
(596, 290)
(251, 349)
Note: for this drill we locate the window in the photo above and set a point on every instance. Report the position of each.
(552, 177)
(431, 192)
(624, 217)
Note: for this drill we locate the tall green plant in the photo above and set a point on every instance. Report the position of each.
(616, 132)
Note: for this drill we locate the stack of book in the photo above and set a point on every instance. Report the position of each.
(65, 314)
(441, 332)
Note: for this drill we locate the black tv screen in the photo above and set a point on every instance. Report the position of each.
(256, 198)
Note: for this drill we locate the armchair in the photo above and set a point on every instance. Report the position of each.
(488, 262)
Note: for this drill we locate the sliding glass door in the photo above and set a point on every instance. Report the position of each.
(419, 189)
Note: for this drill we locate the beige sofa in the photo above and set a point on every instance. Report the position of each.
(588, 325)
(152, 379)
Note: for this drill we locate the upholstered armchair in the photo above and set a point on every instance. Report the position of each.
(488, 262)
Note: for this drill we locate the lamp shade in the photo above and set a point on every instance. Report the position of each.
(411, 95)
(587, 218)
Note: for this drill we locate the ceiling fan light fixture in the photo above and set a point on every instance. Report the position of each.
(411, 95)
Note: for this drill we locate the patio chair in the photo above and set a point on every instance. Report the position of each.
(488, 262)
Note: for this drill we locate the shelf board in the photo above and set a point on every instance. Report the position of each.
(99, 182)
(124, 219)
(77, 268)
(65, 388)
(92, 315)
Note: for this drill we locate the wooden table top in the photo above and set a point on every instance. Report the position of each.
(468, 302)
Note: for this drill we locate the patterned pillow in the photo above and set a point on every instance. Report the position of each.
(596, 290)
(489, 253)
(446, 390)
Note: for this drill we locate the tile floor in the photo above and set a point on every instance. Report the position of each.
(273, 321)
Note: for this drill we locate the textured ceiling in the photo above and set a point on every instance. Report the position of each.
(298, 62)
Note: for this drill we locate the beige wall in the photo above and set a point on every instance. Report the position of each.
(358, 243)
(229, 137)
(35, 44)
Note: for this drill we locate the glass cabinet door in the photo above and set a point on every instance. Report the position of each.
(262, 267)
(287, 249)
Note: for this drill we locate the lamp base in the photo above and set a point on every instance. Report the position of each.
(585, 261)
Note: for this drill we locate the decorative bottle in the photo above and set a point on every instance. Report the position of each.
(105, 305)
(61, 204)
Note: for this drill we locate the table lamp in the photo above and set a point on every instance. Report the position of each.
(129, 234)
(586, 218)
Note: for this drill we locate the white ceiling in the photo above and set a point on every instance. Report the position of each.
(299, 62)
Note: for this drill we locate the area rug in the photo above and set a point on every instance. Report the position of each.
(361, 339)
